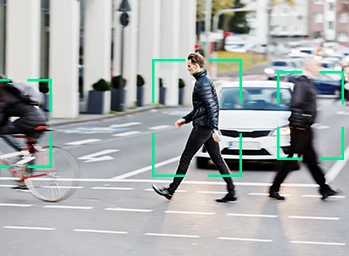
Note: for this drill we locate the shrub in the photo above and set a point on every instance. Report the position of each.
(101, 85)
(181, 83)
(140, 81)
(115, 82)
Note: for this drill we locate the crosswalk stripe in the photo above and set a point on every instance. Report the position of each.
(81, 142)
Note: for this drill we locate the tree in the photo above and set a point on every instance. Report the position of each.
(238, 23)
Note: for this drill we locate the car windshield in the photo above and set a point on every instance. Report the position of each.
(254, 98)
(279, 63)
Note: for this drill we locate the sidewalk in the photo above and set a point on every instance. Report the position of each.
(96, 117)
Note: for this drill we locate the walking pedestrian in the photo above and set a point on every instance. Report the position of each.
(204, 117)
(303, 114)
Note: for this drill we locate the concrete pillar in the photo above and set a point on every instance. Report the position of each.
(64, 57)
(186, 46)
(97, 42)
(23, 39)
(170, 20)
(130, 50)
(149, 47)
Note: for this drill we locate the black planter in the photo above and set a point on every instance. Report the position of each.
(140, 96)
(162, 93)
(118, 99)
(181, 96)
(96, 102)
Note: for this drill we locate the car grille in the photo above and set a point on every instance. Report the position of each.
(246, 152)
(254, 134)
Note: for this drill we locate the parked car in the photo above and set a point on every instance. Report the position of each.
(256, 118)
(280, 64)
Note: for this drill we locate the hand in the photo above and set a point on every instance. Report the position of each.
(180, 122)
(216, 137)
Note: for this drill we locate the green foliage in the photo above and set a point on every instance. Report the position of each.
(101, 85)
(140, 81)
(116, 82)
(160, 82)
(181, 83)
(238, 23)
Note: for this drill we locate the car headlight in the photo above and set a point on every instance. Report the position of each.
(269, 71)
(284, 131)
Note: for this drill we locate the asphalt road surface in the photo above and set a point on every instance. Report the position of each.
(115, 211)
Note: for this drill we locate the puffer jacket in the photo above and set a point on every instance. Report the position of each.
(303, 103)
(205, 103)
(29, 116)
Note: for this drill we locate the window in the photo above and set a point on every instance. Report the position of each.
(343, 36)
(330, 25)
(283, 28)
(318, 1)
(344, 17)
(318, 18)
(331, 6)
(286, 9)
(253, 32)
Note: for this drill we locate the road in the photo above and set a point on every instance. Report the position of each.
(115, 211)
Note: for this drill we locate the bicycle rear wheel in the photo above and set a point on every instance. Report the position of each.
(54, 175)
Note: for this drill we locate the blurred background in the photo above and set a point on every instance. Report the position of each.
(86, 46)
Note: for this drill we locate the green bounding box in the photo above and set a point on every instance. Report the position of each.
(154, 174)
(239, 175)
(237, 60)
(342, 80)
(49, 80)
(278, 157)
(342, 150)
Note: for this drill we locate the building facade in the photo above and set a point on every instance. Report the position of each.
(329, 19)
(77, 42)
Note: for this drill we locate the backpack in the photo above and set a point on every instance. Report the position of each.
(28, 93)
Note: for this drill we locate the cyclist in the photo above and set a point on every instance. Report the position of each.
(28, 116)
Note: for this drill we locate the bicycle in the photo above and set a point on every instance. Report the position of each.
(43, 170)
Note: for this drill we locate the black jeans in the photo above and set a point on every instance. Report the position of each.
(11, 128)
(302, 144)
(198, 137)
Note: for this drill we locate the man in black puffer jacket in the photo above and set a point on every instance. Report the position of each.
(205, 129)
(303, 114)
(29, 116)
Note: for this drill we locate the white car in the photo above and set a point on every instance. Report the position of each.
(257, 119)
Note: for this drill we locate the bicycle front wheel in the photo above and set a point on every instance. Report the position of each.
(54, 174)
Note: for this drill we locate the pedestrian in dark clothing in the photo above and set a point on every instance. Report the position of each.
(303, 114)
(205, 129)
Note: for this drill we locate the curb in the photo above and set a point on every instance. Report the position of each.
(111, 116)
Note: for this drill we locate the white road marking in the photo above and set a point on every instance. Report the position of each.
(111, 188)
(28, 228)
(127, 210)
(6, 186)
(177, 191)
(16, 205)
(68, 207)
(245, 239)
(251, 215)
(339, 197)
(319, 126)
(159, 127)
(266, 194)
(210, 192)
(124, 125)
(126, 133)
(171, 235)
(9, 155)
(317, 243)
(313, 218)
(185, 212)
(61, 187)
(337, 167)
(148, 168)
(81, 142)
(96, 157)
(100, 231)
(342, 113)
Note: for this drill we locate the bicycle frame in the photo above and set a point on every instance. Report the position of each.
(30, 146)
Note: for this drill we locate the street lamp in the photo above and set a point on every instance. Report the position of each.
(124, 20)
(269, 11)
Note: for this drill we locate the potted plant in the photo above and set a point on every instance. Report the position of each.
(99, 98)
(140, 90)
(181, 85)
(45, 105)
(162, 92)
(118, 93)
